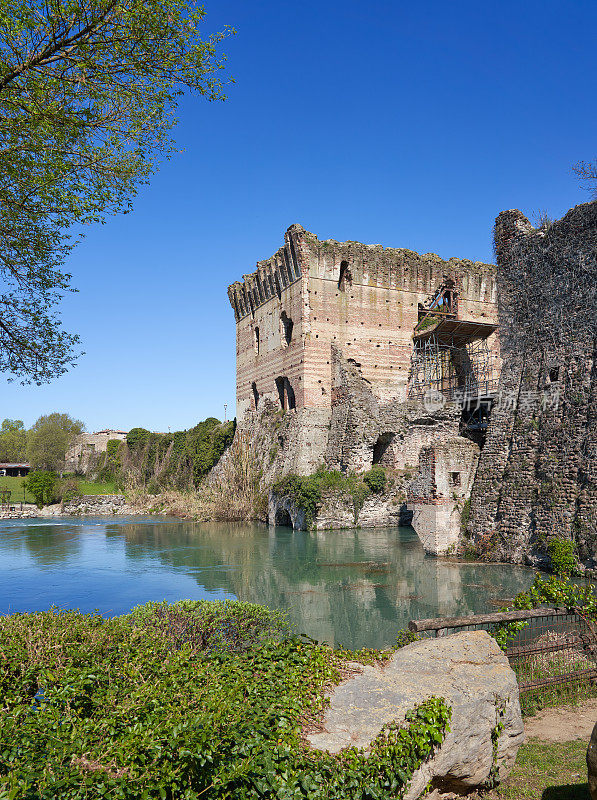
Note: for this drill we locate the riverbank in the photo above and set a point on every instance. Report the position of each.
(88, 505)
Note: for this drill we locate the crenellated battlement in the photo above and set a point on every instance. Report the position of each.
(356, 263)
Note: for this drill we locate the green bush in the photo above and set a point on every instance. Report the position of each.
(68, 489)
(562, 554)
(122, 708)
(557, 592)
(137, 437)
(307, 491)
(43, 485)
(375, 479)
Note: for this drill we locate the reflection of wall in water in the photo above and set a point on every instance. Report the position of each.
(311, 576)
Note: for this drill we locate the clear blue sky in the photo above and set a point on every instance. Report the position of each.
(408, 124)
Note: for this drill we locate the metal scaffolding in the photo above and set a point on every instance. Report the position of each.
(452, 357)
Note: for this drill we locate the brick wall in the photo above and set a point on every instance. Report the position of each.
(360, 299)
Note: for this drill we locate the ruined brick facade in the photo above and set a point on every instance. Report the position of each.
(537, 475)
(312, 297)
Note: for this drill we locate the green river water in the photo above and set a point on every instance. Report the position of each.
(355, 588)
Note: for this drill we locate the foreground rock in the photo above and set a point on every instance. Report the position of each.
(592, 763)
(473, 676)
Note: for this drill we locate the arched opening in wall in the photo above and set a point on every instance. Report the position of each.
(286, 326)
(281, 393)
(255, 394)
(382, 450)
(345, 276)
(285, 393)
(283, 518)
(291, 402)
(256, 340)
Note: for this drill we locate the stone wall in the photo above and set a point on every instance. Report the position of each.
(537, 475)
(87, 445)
(440, 490)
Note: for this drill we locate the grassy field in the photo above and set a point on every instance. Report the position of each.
(96, 488)
(16, 488)
(546, 771)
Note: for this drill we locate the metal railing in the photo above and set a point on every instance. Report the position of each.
(549, 649)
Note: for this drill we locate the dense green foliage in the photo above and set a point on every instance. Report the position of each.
(375, 479)
(42, 484)
(212, 625)
(44, 444)
(562, 554)
(49, 438)
(132, 707)
(13, 441)
(308, 491)
(88, 95)
(165, 460)
(137, 437)
(557, 592)
(560, 592)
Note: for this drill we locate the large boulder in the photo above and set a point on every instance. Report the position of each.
(474, 677)
(592, 763)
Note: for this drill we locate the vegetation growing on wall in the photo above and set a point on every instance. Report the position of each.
(562, 555)
(307, 492)
(157, 461)
(135, 707)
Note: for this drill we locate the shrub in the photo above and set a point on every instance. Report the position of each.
(375, 479)
(125, 708)
(208, 625)
(406, 636)
(68, 489)
(558, 592)
(307, 491)
(562, 556)
(42, 484)
(137, 437)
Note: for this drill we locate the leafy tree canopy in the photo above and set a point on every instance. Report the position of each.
(42, 485)
(13, 441)
(88, 94)
(49, 439)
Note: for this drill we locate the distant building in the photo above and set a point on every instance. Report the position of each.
(14, 470)
(87, 445)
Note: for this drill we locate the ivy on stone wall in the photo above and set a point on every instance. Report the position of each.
(155, 461)
(307, 491)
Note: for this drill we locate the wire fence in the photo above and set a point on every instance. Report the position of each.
(553, 651)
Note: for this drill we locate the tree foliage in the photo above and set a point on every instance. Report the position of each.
(13, 441)
(49, 439)
(88, 94)
(42, 484)
(165, 460)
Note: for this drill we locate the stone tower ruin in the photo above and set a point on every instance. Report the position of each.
(313, 297)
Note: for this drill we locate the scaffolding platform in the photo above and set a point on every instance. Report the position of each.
(451, 356)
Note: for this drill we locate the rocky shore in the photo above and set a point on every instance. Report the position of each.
(100, 505)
